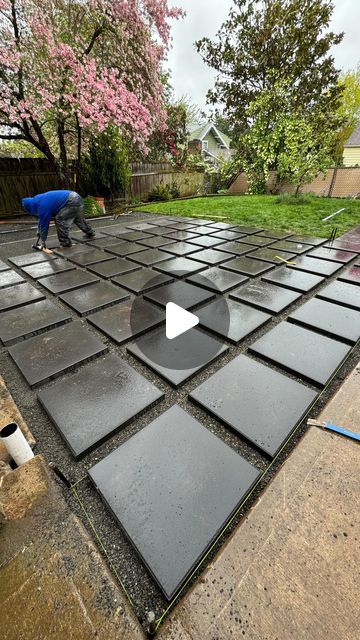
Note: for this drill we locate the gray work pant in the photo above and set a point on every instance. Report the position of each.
(71, 212)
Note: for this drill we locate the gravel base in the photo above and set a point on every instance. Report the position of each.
(122, 558)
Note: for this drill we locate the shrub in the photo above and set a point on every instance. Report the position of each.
(175, 190)
(291, 198)
(105, 169)
(161, 192)
(92, 208)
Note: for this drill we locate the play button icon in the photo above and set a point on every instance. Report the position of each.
(178, 320)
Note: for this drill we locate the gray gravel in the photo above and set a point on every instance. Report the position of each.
(140, 586)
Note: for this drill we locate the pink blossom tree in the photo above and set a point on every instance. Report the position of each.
(68, 67)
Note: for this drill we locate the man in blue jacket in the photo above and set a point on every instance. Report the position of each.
(65, 207)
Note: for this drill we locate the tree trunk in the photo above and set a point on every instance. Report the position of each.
(63, 167)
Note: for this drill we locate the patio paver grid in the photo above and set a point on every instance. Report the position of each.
(262, 274)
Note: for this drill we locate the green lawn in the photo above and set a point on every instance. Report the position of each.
(266, 212)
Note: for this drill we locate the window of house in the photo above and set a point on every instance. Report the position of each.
(205, 144)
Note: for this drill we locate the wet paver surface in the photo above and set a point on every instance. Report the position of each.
(270, 335)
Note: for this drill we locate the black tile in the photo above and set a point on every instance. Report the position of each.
(74, 250)
(91, 256)
(179, 235)
(125, 248)
(38, 317)
(310, 240)
(186, 508)
(132, 236)
(195, 348)
(68, 281)
(207, 241)
(149, 257)
(50, 354)
(140, 226)
(204, 229)
(182, 293)
(101, 398)
(275, 256)
(43, 269)
(21, 294)
(31, 258)
(180, 249)
(260, 404)
(156, 242)
(305, 353)
(222, 225)
(292, 247)
(3, 266)
(181, 226)
(344, 244)
(119, 325)
(113, 267)
(211, 256)
(179, 267)
(247, 266)
(114, 229)
(337, 255)
(157, 231)
(341, 293)
(79, 236)
(101, 243)
(228, 235)
(247, 230)
(293, 279)
(217, 280)
(244, 320)
(277, 235)
(318, 267)
(141, 280)
(329, 318)
(257, 241)
(351, 275)
(265, 296)
(237, 248)
(9, 278)
(88, 299)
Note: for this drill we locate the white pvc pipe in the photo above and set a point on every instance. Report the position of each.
(16, 444)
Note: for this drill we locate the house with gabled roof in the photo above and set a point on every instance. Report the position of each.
(212, 143)
(351, 155)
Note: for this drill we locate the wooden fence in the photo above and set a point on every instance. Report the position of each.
(25, 177)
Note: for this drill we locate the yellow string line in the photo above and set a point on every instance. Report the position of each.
(283, 260)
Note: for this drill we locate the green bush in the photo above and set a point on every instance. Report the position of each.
(105, 169)
(291, 198)
(92, 208)
(175, 190)
(161, 192)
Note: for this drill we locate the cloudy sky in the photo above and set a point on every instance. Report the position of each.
(191, 77)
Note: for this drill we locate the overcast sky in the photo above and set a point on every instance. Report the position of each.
(191, 77)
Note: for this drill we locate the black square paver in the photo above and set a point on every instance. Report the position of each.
(18, 296)
(113, 229)
(156, 242)
(222, 225)
(247, 266)
(228, 235)
(179, 267)
(79, 236)
(265, 296)
(275, 256)
(194, 347)
(132, 236)
(217, 280)
(260, 404)
(180, 249)
(101, 398)
(257, 240)
(237, 248)
(31, 258)
(337, 255)
(119, 325)
(90, 256)
(329, 318)
(3, 266)
(141, 280)
(69, 252)
(342, 293)
(310, 240)
(199, 482)
(244, 320)
(43, 269)
(204, 229)
(277, 235)
(101, 243)
(179, 235)
(61, 282)
(149, 257)
(140, 226)
(292, 247)
(48, 355)
(39, 316)
(293, 279)
(125, 248)
(211, 256)
(351, 275)
(181, 293)
(114, 267)
(9, 278)
(88, 299)
(207, 241)
(305, 353)
(318, 267)
(246, 229)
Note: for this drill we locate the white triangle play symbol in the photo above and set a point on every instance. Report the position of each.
(178, 320)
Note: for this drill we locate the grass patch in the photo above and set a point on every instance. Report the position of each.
(270, 212)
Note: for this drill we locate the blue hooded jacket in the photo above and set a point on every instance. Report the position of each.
(45, 205)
